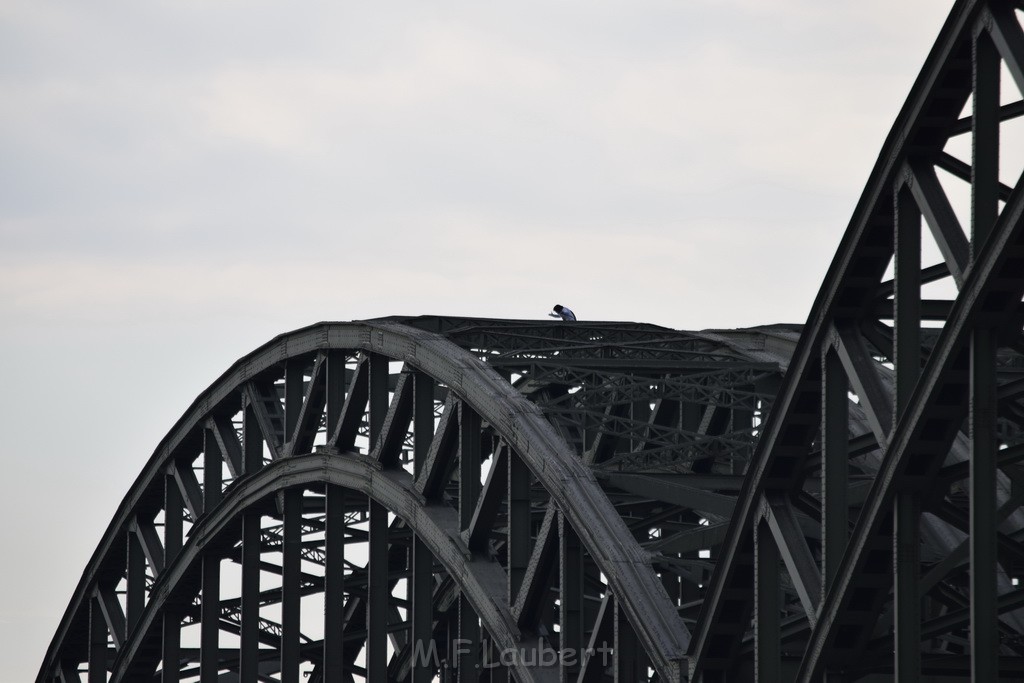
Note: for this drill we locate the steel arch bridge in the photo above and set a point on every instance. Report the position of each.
(431, 498)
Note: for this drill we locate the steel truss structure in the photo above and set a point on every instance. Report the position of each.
(419, 499)
(916, 576)
(406, 498)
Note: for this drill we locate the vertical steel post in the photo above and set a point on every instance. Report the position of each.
(377, 592)
(174, 507)
(291, 566)
(469, 464)
(640, 412)
(743, 421)
(378, 404)
(767, 623)
(213, 471)
(469, 642)
(491, 668)
(135, 585)
(907, 361)
(628, 665)
(249, 649)
(422, 643)
(252, 439)
(449, 667)
(171, 626)
(672, 585)
(171, 644)
(985, 138)
(336, 384)
(97, 643)
(519, 543)
(571, 602)
(423, 419)
(984, 449)
(209, 629)
(835, 438)
(984, 210)
(689, 416)
(294, 391)
(906, 299)
(907, 608)
(334, 586)
(591, 428)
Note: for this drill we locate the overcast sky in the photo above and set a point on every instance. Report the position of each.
(180, 181)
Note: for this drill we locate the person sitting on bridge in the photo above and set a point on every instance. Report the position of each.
(562, 312)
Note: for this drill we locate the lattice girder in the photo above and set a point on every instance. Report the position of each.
(933, 400)
(395, 410)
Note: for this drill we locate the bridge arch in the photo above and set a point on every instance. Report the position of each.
(343, 386)
(555, 485)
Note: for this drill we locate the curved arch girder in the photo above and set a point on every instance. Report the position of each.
(436, 525)
(516, 420)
